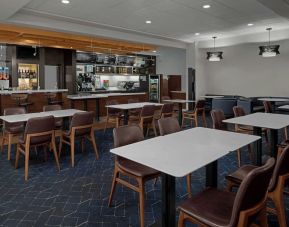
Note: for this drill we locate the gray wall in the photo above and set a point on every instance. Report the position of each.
(244, 72)
(172, 61)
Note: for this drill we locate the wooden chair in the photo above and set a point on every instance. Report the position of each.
(217, 118)
(123, 136)
(81, 127)
(52, 99)
(112, 115)
(38, 132)
(276, 187)
(167, 110)
(193, 115)
(269, 109)
(216, 208)
(11, 130)
(171, 125)
(146, 119)
(133, 112)
(21, 100)
(58, 121)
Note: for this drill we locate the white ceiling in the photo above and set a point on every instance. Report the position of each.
(171, 19)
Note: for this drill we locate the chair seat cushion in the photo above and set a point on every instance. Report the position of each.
(136, 168)
(217, 212)
(240, 173)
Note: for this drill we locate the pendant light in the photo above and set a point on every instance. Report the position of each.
(214, 55)
(269, 50)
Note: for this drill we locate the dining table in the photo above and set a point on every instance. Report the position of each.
(179, 154)
(271, 121)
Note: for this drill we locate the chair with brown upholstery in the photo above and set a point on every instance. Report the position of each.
(193, 115)
(171, 125)
(276, 187)
(269, 109)
(123, 136)
(146, 119)
(58, 121)
(167, 110)
(112, 115)
(22, 100)
(217, 118)
(11, 130)
(217, 208)
(81, 127)
(133, 112)
(52, 99)
(38, 132)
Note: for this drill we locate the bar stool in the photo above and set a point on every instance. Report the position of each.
(52, 99)
(22, 100)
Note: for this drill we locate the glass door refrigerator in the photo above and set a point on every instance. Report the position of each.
(154, 88)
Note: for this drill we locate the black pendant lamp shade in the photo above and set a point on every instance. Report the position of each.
(269, 50)
(214, 55)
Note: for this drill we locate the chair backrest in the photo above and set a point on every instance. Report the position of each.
(167, 110)
(238, 111)
(128, 134)
(39, 125)
(51, 107)
(168, 125)
(267, 106)
(253, 190)
(200, 106)
(281, 168)
(166, 97)
(132, 100)
(217, 118)
(112, 110)
(19, 97)
(82, 119)
(147, 111)
(13, 111)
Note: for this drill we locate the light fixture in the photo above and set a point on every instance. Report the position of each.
(206, 6)
(214, 55)
(250, 24)
(154, 51)
(197, 33)
(65, 1)
(269, 50)
(35, 51)
(148, 21)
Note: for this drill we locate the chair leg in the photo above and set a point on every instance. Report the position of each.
(263, 218)
(286, 133)
(72, 145)
(27, 151)
(60, 147)
(266, 137)
(114, 182)
(92, 139)
(251, 155)
(278, 200)
(239, 157)
(17, 157)
(181, 219)
(10, 136)
(189, 187)
(55, 154)
(154, 128)
(196, 121)
(183, 122)
(106, 122)
(141, 201)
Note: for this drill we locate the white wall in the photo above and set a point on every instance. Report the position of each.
(244, 72)
(172, 61)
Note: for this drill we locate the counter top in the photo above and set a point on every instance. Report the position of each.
(94, 96)
(5, 92)
(178, 91)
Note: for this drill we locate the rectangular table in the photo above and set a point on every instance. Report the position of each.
(180, 102)
(181, 153)
(259, 121)
(126, 107)
(84, 99)
(25, 117)
(272, 100)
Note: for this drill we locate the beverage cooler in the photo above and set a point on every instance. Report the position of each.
(152, 85)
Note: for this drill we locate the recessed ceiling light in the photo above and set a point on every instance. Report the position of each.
(206, 6)
(148, 21)
(250, 24)
(154, 51)
(197, 33)
(65, 1)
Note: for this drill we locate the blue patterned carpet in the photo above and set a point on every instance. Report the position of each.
(79, 196)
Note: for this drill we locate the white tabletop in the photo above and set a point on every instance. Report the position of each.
(262, 120)
(132, 105)
(183, 152)
(274, 99)
(284, 107)
(25, 117)
(211, 96)
(178, 100)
